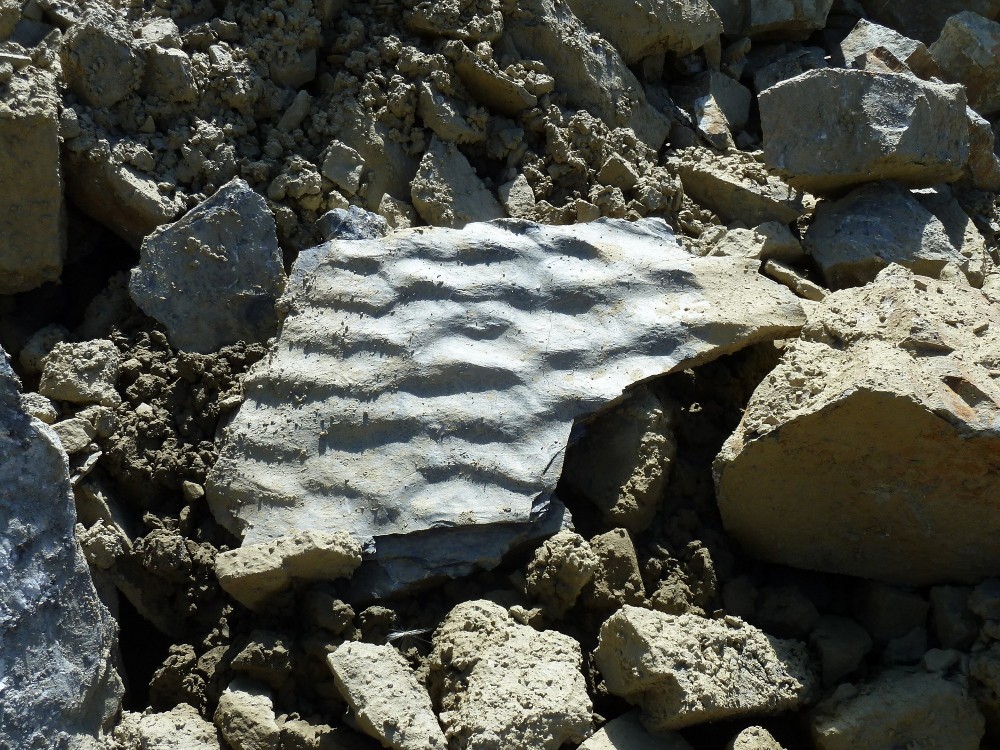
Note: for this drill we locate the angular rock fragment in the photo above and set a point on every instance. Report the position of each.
(683, 670)
(786, 20)
(617, 579)
(901, 128)
(245, 717)
(589, 70)
(967, 53)
(224, 250)
(754, 738)
(856, 237)
(58, 681)
(254, 573)
(468, 20)
(385, 697)
(651, 27)
(32, 214)
(446, 191)
(770, 240)
(100, 62)
(627, 733)
(82, 373)
(180, 728)
(489, 84)
(424, 385)
(351, 224)
(168, 75)
(738, 188)
(924, 21)
(898, 709)
(560, 569)
(842, 644)
(813, 477)
(868, 36)
(984, 164)
(506, 686)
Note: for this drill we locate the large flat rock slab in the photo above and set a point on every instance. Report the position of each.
(424, 385)
(871, 449)
(58, 685)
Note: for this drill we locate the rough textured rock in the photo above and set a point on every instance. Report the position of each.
(854, 238)
(59, 686)
(627, 733)
(351, 224)
(82, 373)
(868, 36)
(738, 188)
(787, 20)
(504, 686)
(446, 191)
(983, 165)
(385, 697)
(897, 709)
(254, 573)
(924, 21)
(651, 27)
(589, 70)
(224, 250)
(99, 60)
(32, 214)
(769, 240)
(245, 717)
(902, 129)
(682, 670)
(502, 325)
(901, 367)
(621, 459)
(617, 579)
(967, 53)
(560, 569)
(180, 728)
(754, 738)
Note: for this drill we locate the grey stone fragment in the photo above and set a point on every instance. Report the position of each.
(854, 238)
(82, 373)
(100, 62)
(899, 708)
(786, 19)
(180, 728)
(868, 36)
(59, 685)
(385, 697)
(922, 20)
(351, 224)
(902, 129)
(32, 211)
(74, 434)
(967, 54)
(424, 385)
(447, 192)
(683, 670)
(952, 622)
(842, 644)
(213, 277)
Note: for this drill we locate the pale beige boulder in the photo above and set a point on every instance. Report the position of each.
(180, 728)
(82, 373)
(754, 738)
(385, 697)
(246, 718)
(32, 212)
(627, 733)
(814, 476)
(682, 670)
(968, 52)
(447, 192)
(505, 686)
(560, 569)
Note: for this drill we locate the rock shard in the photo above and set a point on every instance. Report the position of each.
(813, 476)
(58, 685)
(424, 385)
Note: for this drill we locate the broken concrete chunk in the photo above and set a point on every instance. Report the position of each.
(627, 733)
(82, 373)
(868, 36)
(343, 166)
(782, 19)
(180, 728)
(506, 686)
(245, 717)
(560, 569)
(589, 70)
(468, 20)
(254, 573)
(510, 350)
(967, 53)
(900, 367)
(32, 214)
(924, 21)
(902, 129)
(621, 459)
(447, 192)
(225, 250)
(74, 434)
(100, 63)
(854, 238)
(385, 697)
(896, 709)
(739, 188)
(60, 686)
(40, 407)
(651, 27)
(683, 670)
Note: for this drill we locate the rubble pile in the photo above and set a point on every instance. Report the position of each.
(492, 375)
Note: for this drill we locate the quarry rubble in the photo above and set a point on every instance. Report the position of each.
(494, 375)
